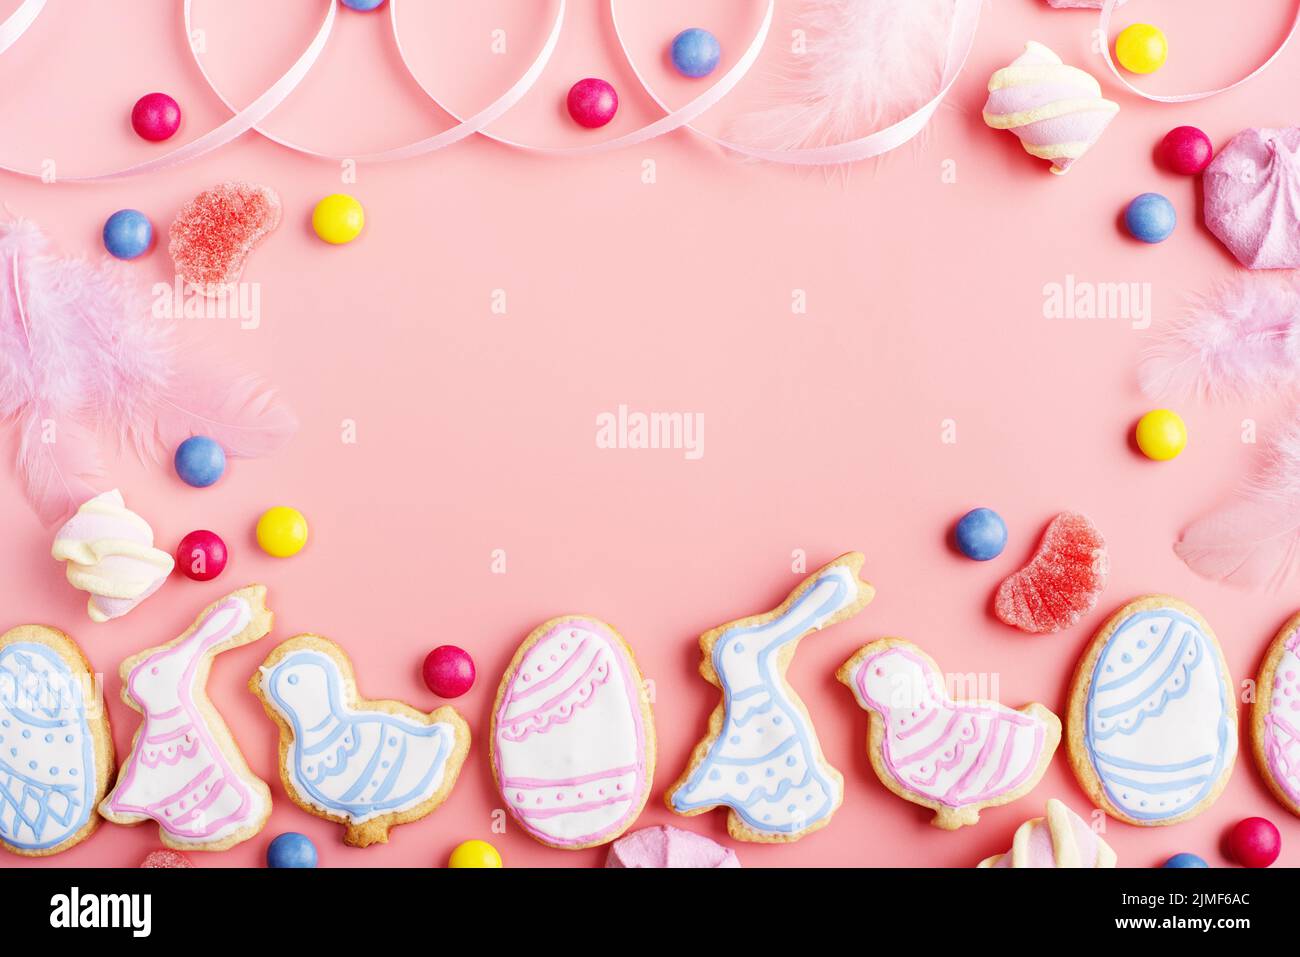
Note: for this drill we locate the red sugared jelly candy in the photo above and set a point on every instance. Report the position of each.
(165, 859)
(214, 232)
(1062, 581)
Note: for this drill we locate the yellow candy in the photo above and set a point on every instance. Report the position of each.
(282, 531)
(338, 218)
(1161, 435)
(1142, 48)
(474, 854)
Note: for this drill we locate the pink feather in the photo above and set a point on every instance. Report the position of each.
(867, 63)
(1255, 539)
(1240, 340)
(81, 353)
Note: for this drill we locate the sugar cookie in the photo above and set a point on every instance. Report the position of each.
(56, 748)
(573, 735)
(366, 764)
(760, 756)
(954, 757)
(1153, 715)
(1275, 717)
(185, 770)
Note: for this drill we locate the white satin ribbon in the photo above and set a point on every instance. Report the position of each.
(243, 120)
(1109, 9)
(674, 120)
(16, 24)
(463, 129)
(961, 39)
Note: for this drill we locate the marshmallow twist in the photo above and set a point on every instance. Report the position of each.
(110, 554)
(1057, 110)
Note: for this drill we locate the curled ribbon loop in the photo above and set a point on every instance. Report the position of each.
(673, 120)
(16, 24)
(239, 124)
(463, 129)
(1104, 27)
(961, 39)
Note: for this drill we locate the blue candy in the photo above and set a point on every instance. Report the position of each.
(1150, 218)
(1185, 860)
(291, 849)
(128, 234)
(696, 52)
(981, 534)
(200, 461)
(364, 6)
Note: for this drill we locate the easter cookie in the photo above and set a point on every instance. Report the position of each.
(760, 756)
(1275, 717)
(1152, 716)
(366, 764)
(1056, 110)
(185, 770)
(573, 736)
(1061, 839)
(1061, 583)
(56, 748)
(110, 554)
(954, 757)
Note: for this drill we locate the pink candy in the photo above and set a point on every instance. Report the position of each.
(1254, 842)
(592, 102)
(449, 671)
(156, 117)
(1186, 150)
(213, 233)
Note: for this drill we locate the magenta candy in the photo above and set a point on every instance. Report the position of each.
(449, 671)
(592, 102)
(201, 555)
(1254, 842)
(1186, 150)
(156, 116)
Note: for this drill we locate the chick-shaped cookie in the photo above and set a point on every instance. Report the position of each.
(955, 757)
(368, 765)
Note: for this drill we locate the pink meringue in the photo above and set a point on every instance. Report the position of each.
(1057, 110)
(110, 554)
(668, 847)
(1252, 198)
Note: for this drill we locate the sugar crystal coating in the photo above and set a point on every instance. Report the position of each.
(212, 235)
(1062, 581)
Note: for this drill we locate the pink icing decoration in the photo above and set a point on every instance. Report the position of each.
(1282, 731)
(956, 753)
(175, 738)
(668, 847)
(574, 665)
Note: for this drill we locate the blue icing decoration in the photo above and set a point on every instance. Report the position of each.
(354, 763)
(787, 766)
(1158, 727)
(39, 691)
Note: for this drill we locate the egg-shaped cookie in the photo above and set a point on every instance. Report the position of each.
(573, 738)
(1153, 714)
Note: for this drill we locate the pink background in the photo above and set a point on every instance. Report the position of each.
(823, 431)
